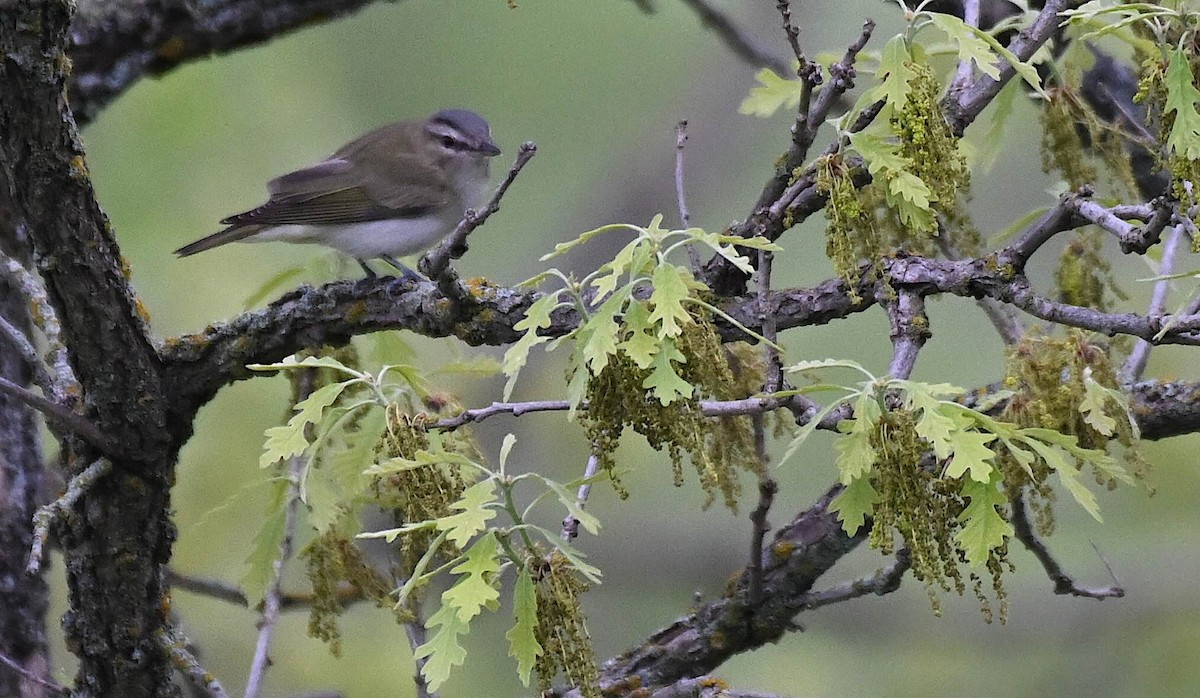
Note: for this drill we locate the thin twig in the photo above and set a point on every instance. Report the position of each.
(187, 664)
(269, 617)
(28, 352)
(685, 218)
(742, 43)
(713, 408)
(31, 677)
(414, 630)
(1063, 584)
(62, 417)
(767, 488)
(962, 76)
(46, 515)
(570, 525)
(64, 382)
(1135, 365)
(346, 593)
(884, 581)
(910, 330)
(435, 264)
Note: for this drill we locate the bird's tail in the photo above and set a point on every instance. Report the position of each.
(230, 234)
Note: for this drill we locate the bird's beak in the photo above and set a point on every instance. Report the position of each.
(488, 148)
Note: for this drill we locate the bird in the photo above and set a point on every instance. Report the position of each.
(391, 192)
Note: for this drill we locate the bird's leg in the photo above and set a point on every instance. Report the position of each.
(405, 272)
(370, 272)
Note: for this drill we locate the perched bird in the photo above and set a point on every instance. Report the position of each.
(391, 192)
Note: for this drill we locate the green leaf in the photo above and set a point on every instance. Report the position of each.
(984, 529)
(854, 504)
(1068, 474)
(568, 551)
(443, 648)
(894, 73)
(260, 563)
(993, 141)
(290, 440)
(813, 365)
(1182, 98)
(1095, 396)
(640, 346)
(536, 318)
(337, 477)
(590, 523)
(856, 457)
(476, 588)
(668, 295)
(972, 455)
(771, 93)
(663, 382)
(307, 362)
(971, 47)
(562, 247)
(598, 336)
(974, 44)
(522, 643)
(619, 265)
(934, 425)
(473, 513)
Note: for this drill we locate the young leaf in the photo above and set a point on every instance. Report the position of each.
(590, 523)
(983, 527)
(307, 362)
(1182, 98)
(640, 345)
(973, 44)
(290, 440)
(855, 457)
(894, 73)
(934, 425)
(1068, 474)
(598, 336)
(667, 298)
(772, 93)
(971, 455)
(854, 504)
(476, 589)
(261, 560)
(663, 381)
(443, 649)
(522, 643)
(536, 318)
(1095, 396)
(473, 513)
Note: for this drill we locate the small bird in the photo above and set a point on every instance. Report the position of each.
(391, 192)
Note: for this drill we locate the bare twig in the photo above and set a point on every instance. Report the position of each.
(28, 352)
(33, 678)
(767, 488)
(792, 32)
(48, 514)
(63, 382)
(435, 264)
(910, 330)
(269, 617)
(742, 43)
(884, 581)
(414, 630)
(1135, 365)
(1063, 584)
(347, 593)
(187, 664)
(962, 76)
(685, 218)
(62, 417)
(570, 525)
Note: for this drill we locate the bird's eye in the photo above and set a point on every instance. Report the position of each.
(447, 141)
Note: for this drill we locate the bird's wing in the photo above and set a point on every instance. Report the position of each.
(335, 192)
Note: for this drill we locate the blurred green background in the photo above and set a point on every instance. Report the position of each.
(599, 86)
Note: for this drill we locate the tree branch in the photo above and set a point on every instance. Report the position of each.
(114, 43)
